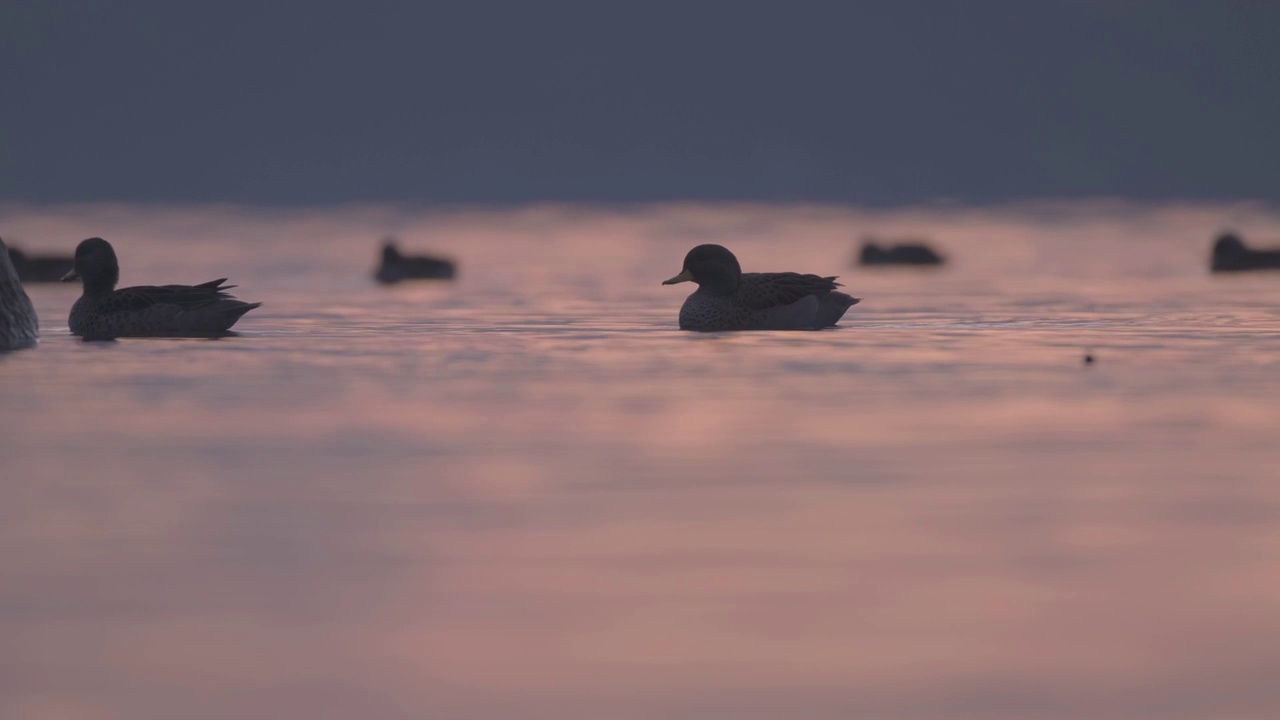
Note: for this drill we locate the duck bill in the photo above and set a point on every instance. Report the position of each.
(684, 276)
(71, 275)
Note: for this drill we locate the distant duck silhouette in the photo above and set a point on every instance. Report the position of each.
(914, 253)
(1231, 255)
(729, 299)
(39, 268)
(396, 267)
(103, 312)
(18, 325)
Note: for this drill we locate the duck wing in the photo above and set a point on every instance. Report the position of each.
(761, 291)
(186, 297)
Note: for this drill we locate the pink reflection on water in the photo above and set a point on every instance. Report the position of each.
(525, 494)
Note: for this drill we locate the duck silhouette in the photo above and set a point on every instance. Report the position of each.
(39, 268)
(729, 299)
(396, 267)
(1231, 255)
(103, 312)
(901, 254)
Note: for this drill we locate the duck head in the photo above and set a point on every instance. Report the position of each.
(712, 267)
(95, 265)
(1228, 244)
(390, 253)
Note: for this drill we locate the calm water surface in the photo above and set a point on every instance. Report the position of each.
(527, 495)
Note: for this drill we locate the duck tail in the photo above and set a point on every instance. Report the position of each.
(833, 307)
(233, 310)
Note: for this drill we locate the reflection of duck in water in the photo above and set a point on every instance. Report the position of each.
(103, 312)
(396, 267)
(1231, 255)
(729, 299)
(18, 325)
(901, 254)
(39, 268)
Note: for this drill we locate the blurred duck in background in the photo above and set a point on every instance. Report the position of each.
(906, 253)
(1231, 255)
(39, 268)
(396, 267)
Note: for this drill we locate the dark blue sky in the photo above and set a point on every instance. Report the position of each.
(865, 102)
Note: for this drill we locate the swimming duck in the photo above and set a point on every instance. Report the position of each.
(729, 299)
(103, 312)
(39, 268)
(901, 254)
(18, 325)
(396, 267)
(1231, 255)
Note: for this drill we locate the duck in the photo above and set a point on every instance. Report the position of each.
(39, 268)
(104, 313)
(901, 254)
(1231, 255)
(396, 267)
(729, 299)
(19, 327)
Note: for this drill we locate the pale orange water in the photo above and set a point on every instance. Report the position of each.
(526, 495)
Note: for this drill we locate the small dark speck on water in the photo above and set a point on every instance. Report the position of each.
(1088, 358)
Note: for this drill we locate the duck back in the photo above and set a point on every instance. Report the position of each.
(768, 301)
